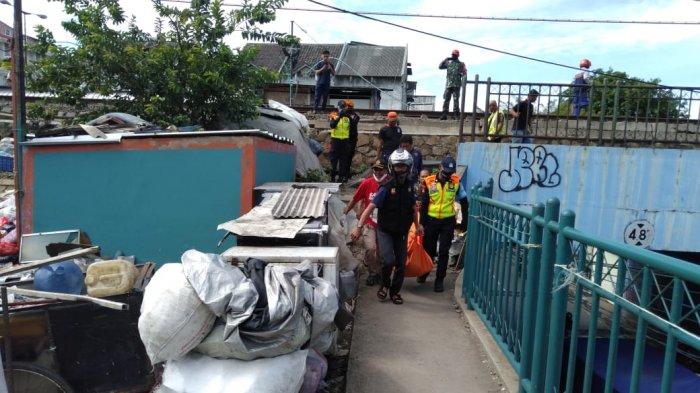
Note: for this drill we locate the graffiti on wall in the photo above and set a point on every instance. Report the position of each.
(527, 167)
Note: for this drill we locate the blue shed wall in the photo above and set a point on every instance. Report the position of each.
(154, 204)
(272, 166)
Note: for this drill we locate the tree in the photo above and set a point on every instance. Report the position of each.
(637, 98)
(183, 74)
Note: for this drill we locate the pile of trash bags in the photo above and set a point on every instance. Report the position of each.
(215, 325)
(9, 245)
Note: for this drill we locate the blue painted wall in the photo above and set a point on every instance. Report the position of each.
(273, 166)
(154, 204)
(607, 187)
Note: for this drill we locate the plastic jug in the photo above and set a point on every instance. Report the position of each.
(109, 278)
(63, 277)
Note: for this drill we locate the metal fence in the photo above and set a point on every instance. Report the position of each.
(576, 313)
(618, 112)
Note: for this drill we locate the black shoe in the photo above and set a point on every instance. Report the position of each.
(370, 280)
(421, 279)
(439, 286)
(443, 117)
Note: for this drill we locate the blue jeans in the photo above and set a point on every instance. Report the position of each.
(321, 96)
(521, 136)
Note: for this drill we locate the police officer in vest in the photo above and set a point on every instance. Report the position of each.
(340, 143)
(396, 203)
(438, 216)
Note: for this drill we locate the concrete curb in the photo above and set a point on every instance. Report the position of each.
(499, 361)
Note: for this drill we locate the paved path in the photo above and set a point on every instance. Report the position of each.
(421, 346)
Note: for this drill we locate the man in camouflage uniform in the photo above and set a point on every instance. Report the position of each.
(455, 71)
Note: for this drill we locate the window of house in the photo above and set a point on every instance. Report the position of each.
(8, 32)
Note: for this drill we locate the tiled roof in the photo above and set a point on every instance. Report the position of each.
(373, 60)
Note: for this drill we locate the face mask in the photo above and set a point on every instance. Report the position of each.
(379, 179)
(401, 177)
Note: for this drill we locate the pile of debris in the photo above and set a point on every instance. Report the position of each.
(254, 328)
(9, 248)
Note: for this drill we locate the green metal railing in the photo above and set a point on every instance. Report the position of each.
(523, 270)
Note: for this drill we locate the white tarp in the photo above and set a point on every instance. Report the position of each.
(286, 122)
(260, 222)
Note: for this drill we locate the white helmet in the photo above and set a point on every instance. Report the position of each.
(400, 156)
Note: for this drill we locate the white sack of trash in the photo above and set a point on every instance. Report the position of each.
(197, 373)
(258, 311)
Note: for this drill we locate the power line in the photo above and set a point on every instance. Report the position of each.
(476, 17)
(305, 32)
(503, 52)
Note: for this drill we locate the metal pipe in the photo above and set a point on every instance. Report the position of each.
(19, 119)
(7, 339)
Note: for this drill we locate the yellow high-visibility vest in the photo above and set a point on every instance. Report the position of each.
(342, 129)
(441, 198)
(494, 128)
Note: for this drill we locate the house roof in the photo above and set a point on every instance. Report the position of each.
(271, 55)
(373, 60)
(356, 58)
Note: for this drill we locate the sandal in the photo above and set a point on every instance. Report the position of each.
(381, 293)
(397, 299)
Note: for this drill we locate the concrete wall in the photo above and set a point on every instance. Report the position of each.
(610, 189)
(153, 198)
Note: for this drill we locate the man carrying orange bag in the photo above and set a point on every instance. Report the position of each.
(418, 262)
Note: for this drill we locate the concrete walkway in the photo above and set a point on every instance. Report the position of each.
(422, 346)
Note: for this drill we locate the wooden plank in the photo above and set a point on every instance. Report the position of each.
(67, 296)
(43, 262)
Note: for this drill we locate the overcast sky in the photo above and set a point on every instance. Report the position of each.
(667, 52)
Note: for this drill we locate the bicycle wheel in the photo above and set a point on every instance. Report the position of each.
(30, 378)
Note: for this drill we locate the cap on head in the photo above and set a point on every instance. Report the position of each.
(533, 92)
(584, 63)
(455, 52)
(379, 164)
(349, 103)
(449, 165)
(392, 115)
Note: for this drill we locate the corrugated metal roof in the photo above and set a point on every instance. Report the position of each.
(301, 203)
(373, 60)
(282, 186)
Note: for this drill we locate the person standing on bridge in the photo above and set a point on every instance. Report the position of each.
(324, 70)
(397, 210)
(522, 122)
(441, 191)
(496, 123)
(455, 71)
(582, 80)
(389, 137)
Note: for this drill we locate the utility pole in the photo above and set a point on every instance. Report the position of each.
(19, 118)
(291, 66)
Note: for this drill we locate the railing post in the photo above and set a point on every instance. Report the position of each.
(462, 113)
(601, 122)
(544, 297)
(530, 303)
(470, 257)
(558, 311)
(589, 115)
(488, 189)
(485, 126)
(476, 98)
(616, 103)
